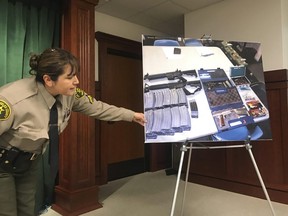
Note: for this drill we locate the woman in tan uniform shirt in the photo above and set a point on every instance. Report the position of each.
(24, 123)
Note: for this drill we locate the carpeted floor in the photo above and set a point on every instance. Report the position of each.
(151, 194)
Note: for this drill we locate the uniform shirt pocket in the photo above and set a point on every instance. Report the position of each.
(66, 116)
(62, 126)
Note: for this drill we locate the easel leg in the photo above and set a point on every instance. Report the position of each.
(186, 179)
(249, 147)
(183, 149)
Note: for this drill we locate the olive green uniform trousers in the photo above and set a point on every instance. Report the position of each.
(17, 191)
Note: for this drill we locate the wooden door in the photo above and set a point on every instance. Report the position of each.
(120, 79)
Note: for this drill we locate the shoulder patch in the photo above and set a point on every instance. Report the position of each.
(90, 98)
(79, 93)
(5, 110)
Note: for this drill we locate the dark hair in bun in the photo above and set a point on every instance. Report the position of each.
(52, 62)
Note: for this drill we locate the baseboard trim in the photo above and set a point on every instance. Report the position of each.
(275, 194)
(126, 168)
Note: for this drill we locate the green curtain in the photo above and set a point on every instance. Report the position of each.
(11, 40)
(28, 26)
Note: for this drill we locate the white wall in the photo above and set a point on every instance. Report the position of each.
(284, 6)
(120, 28)
(245, 20)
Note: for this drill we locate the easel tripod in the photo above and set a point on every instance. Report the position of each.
(184, 148)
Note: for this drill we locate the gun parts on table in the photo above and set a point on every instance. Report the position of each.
(171, 75)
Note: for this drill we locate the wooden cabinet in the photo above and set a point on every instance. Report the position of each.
(232, 169)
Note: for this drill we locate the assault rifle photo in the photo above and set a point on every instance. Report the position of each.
(171, 75)
(182, 83)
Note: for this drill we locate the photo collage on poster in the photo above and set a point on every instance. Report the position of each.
(203, 89)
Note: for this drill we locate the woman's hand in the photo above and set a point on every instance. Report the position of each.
(139, 118)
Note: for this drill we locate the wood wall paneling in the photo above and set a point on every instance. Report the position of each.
(158, 156)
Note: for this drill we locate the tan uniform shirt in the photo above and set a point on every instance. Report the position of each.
(24, 113)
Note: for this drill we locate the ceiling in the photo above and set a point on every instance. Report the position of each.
(165, 16)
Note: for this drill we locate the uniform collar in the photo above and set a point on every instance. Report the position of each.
(49, 99)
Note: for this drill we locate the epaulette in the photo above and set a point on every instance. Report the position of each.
(19, 90)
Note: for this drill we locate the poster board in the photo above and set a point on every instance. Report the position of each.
(203, 89)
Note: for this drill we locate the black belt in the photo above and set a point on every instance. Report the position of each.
(16, 161)
(16, 152)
